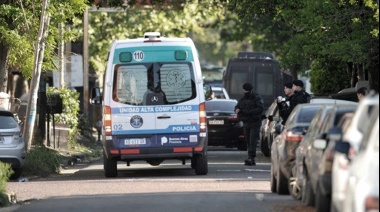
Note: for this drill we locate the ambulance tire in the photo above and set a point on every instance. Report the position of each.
(193, 163)
(201, 165)
(110, 167)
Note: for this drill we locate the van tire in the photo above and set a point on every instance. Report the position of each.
(193, 163)
(110, 166)
(201, 165)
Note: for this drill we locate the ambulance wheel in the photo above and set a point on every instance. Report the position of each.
(110, 166)
(193, 163)
(201, 165)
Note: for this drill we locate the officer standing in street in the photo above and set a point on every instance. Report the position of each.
(249, 110)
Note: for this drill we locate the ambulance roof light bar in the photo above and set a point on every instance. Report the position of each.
(152, 35)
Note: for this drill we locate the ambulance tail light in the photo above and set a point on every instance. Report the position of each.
(202, 117)
(107, 120)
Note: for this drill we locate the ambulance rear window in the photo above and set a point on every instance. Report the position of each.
(137, 84)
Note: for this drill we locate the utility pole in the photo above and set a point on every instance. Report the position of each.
(85, 64)
(86, 55)
(38, 59)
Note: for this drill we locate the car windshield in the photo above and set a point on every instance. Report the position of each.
(7, 121)
(220, 106)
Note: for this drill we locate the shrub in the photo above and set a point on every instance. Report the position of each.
(70, 113)
(327, 77)
(42, 161)
(5, 172)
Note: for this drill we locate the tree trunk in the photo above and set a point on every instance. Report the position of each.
(294, 69)
(38, 58)
(352, 71)
(4, 55)
(361, 72)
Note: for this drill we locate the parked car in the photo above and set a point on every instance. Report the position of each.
(327, 144)
(365, 115)
(267, 132)
(224, 128)
(12, 147)
(316, 186)
(219, 93)
(362, 190)
(284, 146)
(272, 118)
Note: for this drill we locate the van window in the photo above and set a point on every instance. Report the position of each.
(176, 82)
(173, 81)
(236, 81)
(265, 83)
(130, 84)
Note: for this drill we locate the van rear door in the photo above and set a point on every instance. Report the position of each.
(156, 103)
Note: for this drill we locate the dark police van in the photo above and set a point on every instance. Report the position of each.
(261, 69)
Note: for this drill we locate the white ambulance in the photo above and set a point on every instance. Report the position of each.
(153, 103)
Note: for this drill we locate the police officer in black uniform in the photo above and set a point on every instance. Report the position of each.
(301, 96)
(249, 110)
(285, 107)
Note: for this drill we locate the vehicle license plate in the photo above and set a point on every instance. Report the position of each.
(216, 122)
(135, 141)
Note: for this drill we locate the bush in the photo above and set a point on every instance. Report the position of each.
(70, 113)
(42, 161)
(5, 172)
(327, 77)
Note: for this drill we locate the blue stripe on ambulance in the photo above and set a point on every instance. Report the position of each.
(170, 129)
(155, 109)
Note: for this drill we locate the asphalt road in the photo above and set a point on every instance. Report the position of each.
(171, 186)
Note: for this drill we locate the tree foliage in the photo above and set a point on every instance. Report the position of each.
(172, 21)
(296, 31)
(301, 31)
(19, 24)
(328, 77)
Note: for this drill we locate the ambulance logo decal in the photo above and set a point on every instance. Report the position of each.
(154, 99)
(136, 121)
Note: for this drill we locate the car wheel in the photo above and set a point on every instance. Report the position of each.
(307, 192)
(282, 183)
(110, 166)
(201, 165)
(295, 189)
(264, 148)
(273, 181)
(322, 202)
(16, 173)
